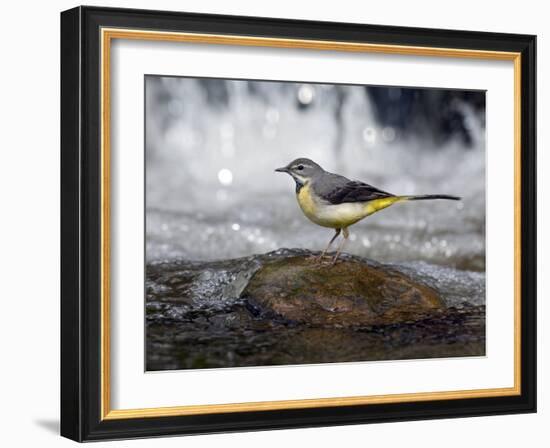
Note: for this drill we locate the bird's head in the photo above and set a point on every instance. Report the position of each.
(302, 170)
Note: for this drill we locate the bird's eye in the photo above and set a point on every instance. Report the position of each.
(300, 167)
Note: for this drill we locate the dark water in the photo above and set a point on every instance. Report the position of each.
(195, 319)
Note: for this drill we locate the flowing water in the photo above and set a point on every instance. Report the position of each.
(214, 204)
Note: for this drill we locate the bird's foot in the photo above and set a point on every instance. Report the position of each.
(318, 259)
(327, 260)
(312, 258)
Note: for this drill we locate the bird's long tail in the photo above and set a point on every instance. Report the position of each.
(429, 196)
(380, 204)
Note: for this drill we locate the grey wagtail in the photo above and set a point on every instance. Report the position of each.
(334, 201)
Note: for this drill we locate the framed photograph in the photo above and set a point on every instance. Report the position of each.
(276, 224)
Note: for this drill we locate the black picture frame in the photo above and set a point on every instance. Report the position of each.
(81, 224)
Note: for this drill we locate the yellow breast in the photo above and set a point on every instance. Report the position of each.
(308, 205)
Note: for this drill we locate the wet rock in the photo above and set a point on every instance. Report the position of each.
(351, 293)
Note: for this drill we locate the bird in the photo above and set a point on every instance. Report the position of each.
(334, 201)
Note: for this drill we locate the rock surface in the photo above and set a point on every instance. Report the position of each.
(350, 293)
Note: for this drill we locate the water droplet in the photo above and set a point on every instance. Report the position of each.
(369, 134)
(236, 227)
(225, 176)
(306, 94)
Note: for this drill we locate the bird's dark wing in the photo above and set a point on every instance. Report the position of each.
(354, 191)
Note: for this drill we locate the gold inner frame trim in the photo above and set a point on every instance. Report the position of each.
(107, 35)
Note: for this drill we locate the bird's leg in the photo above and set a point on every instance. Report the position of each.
(346, 234)
(320, 257)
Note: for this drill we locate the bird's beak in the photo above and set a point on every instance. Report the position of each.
(283, 169)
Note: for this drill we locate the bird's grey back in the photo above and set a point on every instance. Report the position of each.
(336, 189)
(324, 183)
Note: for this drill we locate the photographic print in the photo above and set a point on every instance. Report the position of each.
(298, 223)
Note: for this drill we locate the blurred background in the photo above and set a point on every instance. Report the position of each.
(212, 146)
